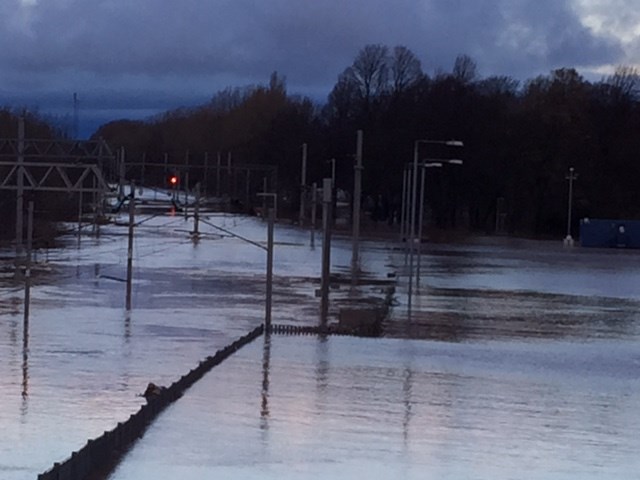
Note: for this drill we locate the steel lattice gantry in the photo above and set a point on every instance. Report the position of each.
(55, 165)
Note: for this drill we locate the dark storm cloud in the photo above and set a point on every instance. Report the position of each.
(192, 48)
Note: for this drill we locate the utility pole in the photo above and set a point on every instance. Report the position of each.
(247, 190)
(568, 241)
(326, 248)
(420, 219)
(407, 214)
(412, 229)
(79, 216)
(402, 207)
(20, 190)
(303, 183)
(218, 176)
(186, 195)
(264, 198)
(357, 187)
(94, 196)
(122, 174)
(196, 214)
(314, 204)
(269, 293)
(206, 173)
(132, 210)
(27, 275)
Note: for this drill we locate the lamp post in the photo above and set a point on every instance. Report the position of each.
(413, 186)
(430, 163)
(568, 241)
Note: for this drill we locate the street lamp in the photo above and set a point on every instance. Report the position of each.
(412, 229)
(430, 163)
(568, 241)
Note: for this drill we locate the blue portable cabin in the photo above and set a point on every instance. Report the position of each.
(610, 233)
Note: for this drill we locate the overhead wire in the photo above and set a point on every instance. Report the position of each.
(235, 235)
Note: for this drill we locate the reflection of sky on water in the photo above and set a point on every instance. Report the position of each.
(503, 288)
(537, 360)
(342, 408)
(87, 360)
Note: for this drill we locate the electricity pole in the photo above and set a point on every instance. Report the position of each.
(303, 183)
(357, 193)
(568, 241)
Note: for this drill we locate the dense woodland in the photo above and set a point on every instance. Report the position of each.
(519, 138)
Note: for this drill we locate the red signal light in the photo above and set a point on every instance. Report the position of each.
(173, 179)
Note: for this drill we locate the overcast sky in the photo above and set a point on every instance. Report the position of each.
(134, 58)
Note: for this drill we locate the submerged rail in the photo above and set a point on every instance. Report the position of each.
(98, 457)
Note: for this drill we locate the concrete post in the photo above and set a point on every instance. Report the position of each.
(326, 248)
(196, 213)
(27, 276)
(420, 220)
(314, 205)
(206, 174)
(264, 198)
(357, 193)
(269, 293)
(303, 184)
(186, 195)
(80, 195)
(412, 228)
(218, 176)
(402, 208)
(122, 174)
(20, 191)
(132, 209)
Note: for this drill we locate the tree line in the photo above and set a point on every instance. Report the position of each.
(520, 138)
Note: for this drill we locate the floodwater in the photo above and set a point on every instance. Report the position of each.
(83, 362)
(517, 359)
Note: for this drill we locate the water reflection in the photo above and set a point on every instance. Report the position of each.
(25, 371)
(322, 371)
(127, 326)
(264, 406)
(407, 391)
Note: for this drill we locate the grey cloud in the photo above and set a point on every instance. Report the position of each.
(196, 47)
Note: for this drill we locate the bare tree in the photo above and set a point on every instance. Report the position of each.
(624, 83)
(465, 69)
(343, 97)
(370, 72)
(405, 69)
